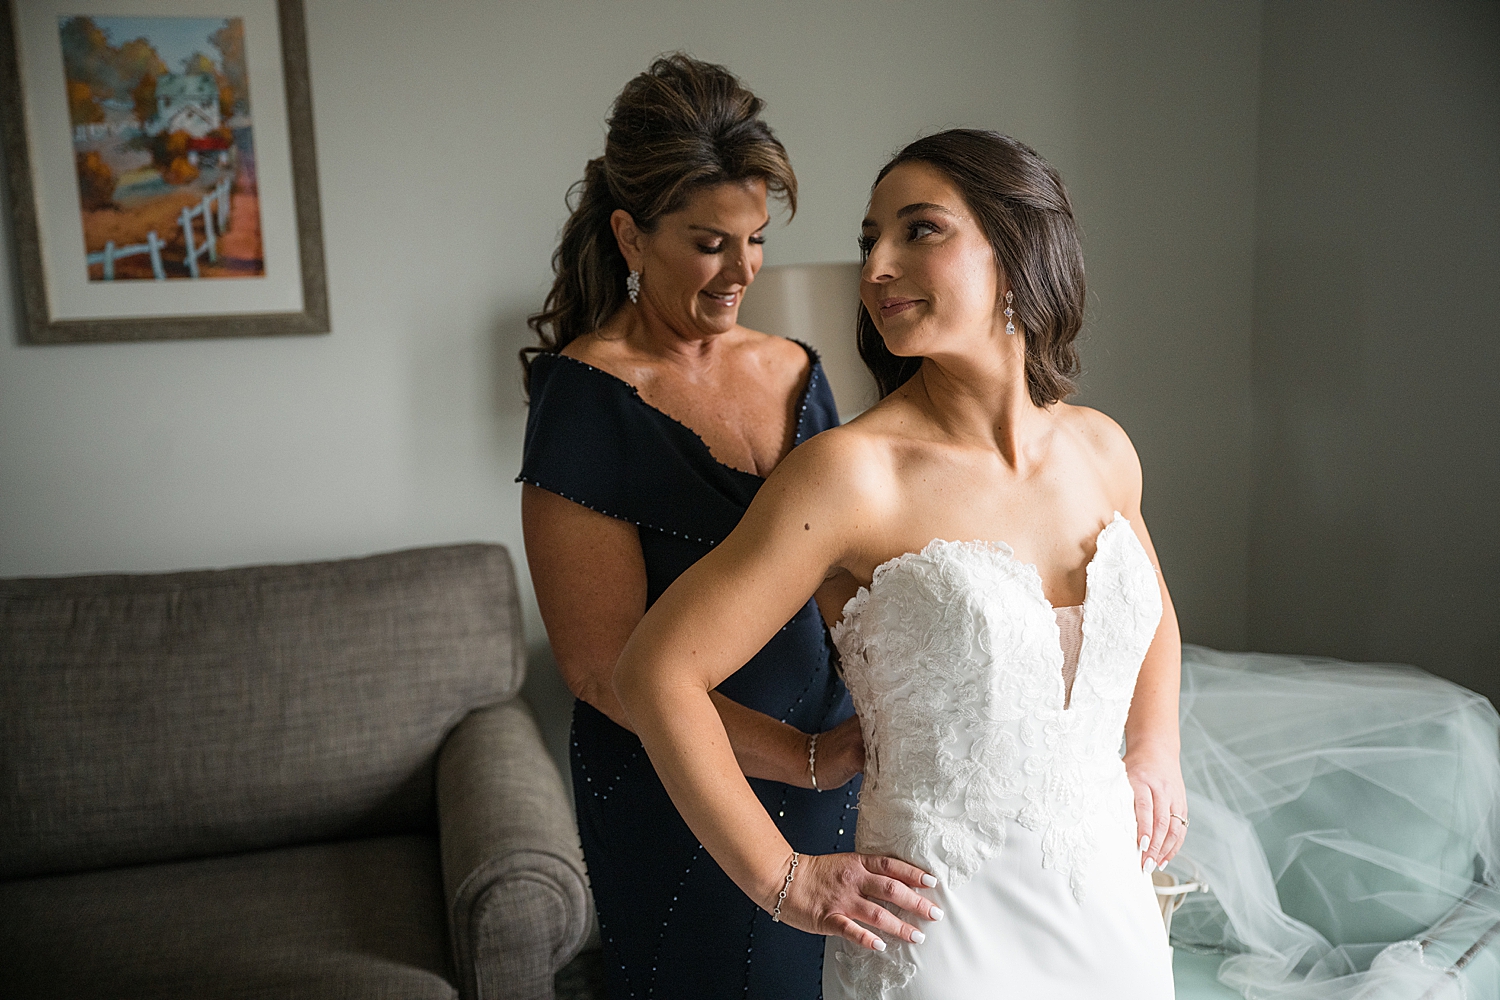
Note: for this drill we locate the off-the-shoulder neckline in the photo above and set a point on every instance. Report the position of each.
(802, 400)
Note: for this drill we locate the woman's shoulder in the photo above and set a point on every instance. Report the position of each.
(780, 361)
(856, 462)
(782, 350)
(1106, 445)
(607, 355)
(575, 405)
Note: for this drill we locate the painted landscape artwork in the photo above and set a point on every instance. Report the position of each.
(160, 110)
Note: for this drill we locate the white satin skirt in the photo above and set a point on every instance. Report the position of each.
(1015, 930)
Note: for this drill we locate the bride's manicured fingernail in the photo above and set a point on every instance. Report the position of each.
(929, 881)
(1145, 843)
(937, 913)
(917, 937)
(1150, 866)
(879, 945)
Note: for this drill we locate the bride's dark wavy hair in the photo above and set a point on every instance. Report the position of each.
(1025, 213)
(681, 126)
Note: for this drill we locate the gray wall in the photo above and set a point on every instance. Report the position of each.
(1164, 188)
(1377, 336)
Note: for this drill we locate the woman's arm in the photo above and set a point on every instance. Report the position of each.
(1152, 742)
(590, 581)
(709, 623)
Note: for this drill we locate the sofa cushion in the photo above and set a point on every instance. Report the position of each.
(361, 918)
(166, 716)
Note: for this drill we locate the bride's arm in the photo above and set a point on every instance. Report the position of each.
(589, 574)
(1152, 742)
(708, 624)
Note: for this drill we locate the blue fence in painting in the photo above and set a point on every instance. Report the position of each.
(112, 253)
(213, 209)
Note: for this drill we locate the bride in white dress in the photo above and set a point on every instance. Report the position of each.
(999, 612)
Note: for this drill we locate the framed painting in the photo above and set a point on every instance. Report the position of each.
(161, 170)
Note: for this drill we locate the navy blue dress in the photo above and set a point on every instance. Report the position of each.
(674, 926)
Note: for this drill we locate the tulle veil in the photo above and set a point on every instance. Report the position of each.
(1347, 819)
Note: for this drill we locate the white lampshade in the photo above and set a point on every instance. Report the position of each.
(818, 305)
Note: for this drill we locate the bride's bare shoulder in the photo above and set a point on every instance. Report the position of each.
(1108, 446)
(847, 468)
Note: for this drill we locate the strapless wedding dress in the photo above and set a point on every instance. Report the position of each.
(983, 769)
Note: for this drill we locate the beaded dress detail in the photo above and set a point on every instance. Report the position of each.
(982, 769)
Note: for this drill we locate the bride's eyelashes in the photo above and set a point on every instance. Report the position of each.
(916, 229)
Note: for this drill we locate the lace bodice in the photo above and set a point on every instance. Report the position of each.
(952, 656)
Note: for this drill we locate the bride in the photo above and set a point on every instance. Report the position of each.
(1004, 623)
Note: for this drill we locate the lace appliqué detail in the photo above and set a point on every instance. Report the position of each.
(953, 658)
(870, 973)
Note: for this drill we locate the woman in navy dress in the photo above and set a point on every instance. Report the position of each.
(654, 419)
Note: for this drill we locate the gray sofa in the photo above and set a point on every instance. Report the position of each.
(282, 781)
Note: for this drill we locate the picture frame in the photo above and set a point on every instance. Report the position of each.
(107, 129)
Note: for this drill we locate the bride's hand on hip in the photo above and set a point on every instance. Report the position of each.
(1161, 813)
(840, 895)
(841, 754)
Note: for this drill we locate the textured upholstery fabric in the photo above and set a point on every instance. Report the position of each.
(168, 716)
(362, 918)
(512, 867)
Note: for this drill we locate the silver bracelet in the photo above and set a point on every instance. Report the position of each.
(812, 760)
(790, 874)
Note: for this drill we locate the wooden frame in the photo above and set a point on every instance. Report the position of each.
(41, 327)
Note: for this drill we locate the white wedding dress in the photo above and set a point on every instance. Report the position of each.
(984, 770)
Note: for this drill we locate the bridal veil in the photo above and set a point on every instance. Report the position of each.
(1347, 820)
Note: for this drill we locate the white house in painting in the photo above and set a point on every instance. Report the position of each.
(186, 102)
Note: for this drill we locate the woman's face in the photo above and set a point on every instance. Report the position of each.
(930, 281)
(698, 262)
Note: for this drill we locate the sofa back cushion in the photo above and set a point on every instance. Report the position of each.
(162, 716)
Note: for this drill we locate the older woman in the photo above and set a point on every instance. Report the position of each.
(654, 419)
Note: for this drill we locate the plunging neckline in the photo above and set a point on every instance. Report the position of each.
(1004, 549)
(1029, 572)
(802, 398)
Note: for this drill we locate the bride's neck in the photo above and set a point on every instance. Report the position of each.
(986, 404)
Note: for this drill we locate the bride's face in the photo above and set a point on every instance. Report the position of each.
(930, 281)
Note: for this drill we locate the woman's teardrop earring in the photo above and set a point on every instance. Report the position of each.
(1010, 326)
(633, 285)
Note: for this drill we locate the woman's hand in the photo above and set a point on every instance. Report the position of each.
(1160, 804)
(841, 754)
(840, 895)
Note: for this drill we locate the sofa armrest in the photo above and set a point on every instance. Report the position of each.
(513, 873)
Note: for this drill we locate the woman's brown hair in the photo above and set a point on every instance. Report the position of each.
(1024, 211)
(680, 126)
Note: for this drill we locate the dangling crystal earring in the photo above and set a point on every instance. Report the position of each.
(633, 285)
(1010, 326)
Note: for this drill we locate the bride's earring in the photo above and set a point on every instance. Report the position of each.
(633, 286)
(1010, 326)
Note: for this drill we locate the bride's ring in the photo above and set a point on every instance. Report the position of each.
(1183, 818)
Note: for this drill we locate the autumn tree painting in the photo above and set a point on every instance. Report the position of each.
(160, 112)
